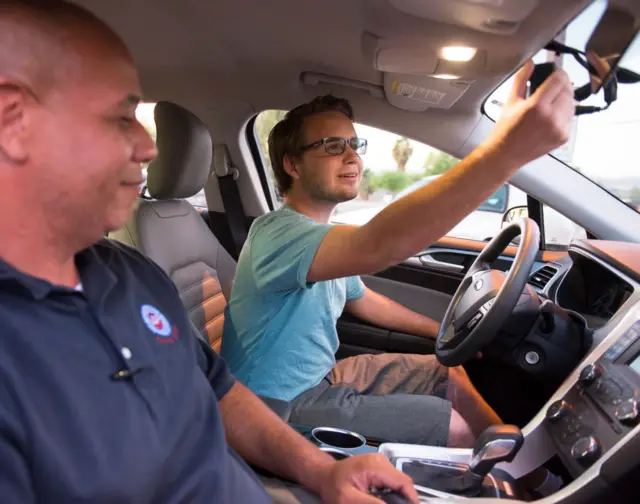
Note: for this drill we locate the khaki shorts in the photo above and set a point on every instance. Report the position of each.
(392, 397)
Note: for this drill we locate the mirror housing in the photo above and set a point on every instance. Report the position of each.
(611, 38)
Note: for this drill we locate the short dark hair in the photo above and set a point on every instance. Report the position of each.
(286, 136)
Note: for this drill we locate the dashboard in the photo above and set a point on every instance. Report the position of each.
(593, 419)
(592, 290)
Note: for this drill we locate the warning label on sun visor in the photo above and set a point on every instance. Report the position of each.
(417, 93)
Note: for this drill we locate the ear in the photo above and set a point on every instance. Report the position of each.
(290, 166)
(13, 121)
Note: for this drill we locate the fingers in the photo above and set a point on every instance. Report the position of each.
(388, 477)
(353, 496)
(519, 89)
(556, 84)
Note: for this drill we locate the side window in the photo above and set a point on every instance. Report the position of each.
(395, 166)
(144, 114)
(559, 231)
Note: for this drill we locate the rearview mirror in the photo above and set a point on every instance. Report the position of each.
(611, 47)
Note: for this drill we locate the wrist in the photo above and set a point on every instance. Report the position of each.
(502, 151)
(315, 473)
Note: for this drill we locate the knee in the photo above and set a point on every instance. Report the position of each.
(460, 435)
(458, 375)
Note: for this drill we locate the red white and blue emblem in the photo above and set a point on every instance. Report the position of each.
(155, 321)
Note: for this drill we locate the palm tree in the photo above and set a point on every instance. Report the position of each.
(402, 151)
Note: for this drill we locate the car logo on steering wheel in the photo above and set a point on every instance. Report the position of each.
(478, 285)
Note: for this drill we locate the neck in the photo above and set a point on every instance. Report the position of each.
(319, 211)
(29, 248)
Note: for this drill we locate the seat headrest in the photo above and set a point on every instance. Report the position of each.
(184, 154)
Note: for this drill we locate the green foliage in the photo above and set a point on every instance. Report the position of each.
(394, 181)
(438, 163)
(402, 151)
(368, 182)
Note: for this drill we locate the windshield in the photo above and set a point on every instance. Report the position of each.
(605, 146)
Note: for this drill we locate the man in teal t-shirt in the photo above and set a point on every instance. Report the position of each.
(296, 274)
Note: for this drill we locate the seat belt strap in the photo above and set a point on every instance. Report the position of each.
(227, 176)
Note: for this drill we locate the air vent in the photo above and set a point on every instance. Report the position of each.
(542, 276)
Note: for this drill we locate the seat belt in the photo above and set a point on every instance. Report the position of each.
(227, 175)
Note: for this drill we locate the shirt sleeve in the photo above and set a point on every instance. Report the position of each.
(355, 288)
(15, 479)
(282, 250)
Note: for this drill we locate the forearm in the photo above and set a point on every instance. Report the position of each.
(263, 439)
(384, 312)
(414, 222)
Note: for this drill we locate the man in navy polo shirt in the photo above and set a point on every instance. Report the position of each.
(106, 396)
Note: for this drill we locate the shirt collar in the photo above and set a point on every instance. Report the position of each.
(93, 269)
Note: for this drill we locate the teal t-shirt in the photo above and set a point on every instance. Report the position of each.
(280, 335)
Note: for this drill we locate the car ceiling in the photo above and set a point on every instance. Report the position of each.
(228, 60)
(256, 50)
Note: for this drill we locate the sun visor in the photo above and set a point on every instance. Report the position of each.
(418, 93)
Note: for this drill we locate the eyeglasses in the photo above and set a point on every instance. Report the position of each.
(336, 146)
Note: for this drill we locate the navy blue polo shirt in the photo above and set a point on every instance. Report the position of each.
(69, 432)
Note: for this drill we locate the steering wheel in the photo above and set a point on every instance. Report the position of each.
(486, 297)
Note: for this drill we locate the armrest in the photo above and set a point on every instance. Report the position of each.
(280, 408)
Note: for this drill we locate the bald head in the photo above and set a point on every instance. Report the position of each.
(43, 42)
(71, 148)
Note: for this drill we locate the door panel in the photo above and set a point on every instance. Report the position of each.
(424, 283)
(356, 335)
(429, 302)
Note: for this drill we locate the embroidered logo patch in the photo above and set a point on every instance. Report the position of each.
(155, 321)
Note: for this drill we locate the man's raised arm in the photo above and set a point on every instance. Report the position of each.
(528, 128)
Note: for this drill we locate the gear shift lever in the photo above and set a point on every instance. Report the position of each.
(498, 443)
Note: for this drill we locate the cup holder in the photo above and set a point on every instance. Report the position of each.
(335, 453)
(338, 438)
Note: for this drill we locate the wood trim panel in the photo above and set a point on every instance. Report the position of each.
(477, 246)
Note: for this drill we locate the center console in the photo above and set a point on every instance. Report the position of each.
(436, 472)
(592, 423)
(601, 407)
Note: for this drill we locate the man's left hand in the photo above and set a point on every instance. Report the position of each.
(349, 481)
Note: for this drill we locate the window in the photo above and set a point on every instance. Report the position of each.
(394, 166)
(144, 114)
(559, 231)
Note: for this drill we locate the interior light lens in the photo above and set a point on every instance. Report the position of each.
(458, 53)
(446, 76)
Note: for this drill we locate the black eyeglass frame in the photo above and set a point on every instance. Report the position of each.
(353, 143)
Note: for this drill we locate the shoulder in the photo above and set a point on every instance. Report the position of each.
(283, 218)
(125, 259)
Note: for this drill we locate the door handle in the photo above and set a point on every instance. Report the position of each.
(429, 261)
